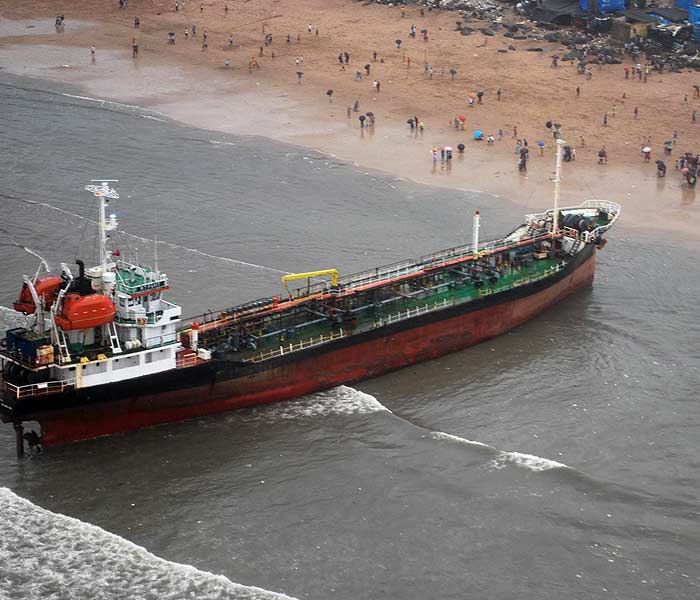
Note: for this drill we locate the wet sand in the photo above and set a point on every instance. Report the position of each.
(193, 86)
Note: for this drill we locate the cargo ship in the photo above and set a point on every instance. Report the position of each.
(106, 352)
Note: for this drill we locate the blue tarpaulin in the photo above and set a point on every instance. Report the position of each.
(604, 6)
(684, 4)
(609, 6)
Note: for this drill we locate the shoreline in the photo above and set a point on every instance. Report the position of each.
(222, 100)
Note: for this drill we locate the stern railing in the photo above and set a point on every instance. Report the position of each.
(38, 389)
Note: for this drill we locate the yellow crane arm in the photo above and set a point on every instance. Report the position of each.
(332, 272)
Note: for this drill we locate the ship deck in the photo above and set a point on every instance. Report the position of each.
(397, 309)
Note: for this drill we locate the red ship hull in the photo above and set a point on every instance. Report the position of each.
(361, 360)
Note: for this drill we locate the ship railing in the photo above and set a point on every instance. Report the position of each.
(38, 389)
(302, 345)
(363, 278)
(524, 280)
(413, 312)
(187, 360)
(426, 262)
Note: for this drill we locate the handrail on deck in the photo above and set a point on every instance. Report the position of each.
(38, 389)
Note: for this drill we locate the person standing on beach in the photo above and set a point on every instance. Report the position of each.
(177, 5)
(134, 48)
(374, 56)
(201, 7)
(515, 131)
(578, 91)
(137, 22)
(309, 27)
(92, 53)
(367, 68)
(347, 57)
(605, 120)
(340, 58)
(187, 32)
(300, 74)
(636, 112)
(194, 30)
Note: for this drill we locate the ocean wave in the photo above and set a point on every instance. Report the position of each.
(346, 400)
(503, 458)
(154, 118)
(342, 400)
(113, 103)
(529, 461)
(49, 556)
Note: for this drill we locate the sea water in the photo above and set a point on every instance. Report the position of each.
(557, 461)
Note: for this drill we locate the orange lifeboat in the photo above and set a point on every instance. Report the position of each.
(46, 288)
(84, 312)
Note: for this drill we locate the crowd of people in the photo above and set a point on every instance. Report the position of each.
(367, 70)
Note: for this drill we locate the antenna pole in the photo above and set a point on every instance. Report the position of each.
(557, 181)
(103, 233)
(104, 193)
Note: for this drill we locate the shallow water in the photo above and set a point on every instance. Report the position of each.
(557, 460)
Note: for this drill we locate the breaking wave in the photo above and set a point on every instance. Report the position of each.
(504, 458)
(343, 400)
(49, 556)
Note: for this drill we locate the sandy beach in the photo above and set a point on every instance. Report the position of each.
(190, 82)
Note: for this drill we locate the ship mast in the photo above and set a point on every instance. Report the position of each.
(557, 181)
(104, 193)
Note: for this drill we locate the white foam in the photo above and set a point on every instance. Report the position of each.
(48, 556)
(343, 400)
(112, 103)
(441, 435)
(503, 458)
(528, 461)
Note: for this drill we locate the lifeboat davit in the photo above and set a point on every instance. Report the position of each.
(84, 312)
(46, 288)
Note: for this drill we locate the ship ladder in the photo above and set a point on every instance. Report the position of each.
(114, 338)
(61, 343)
